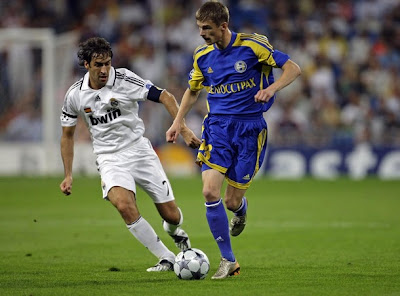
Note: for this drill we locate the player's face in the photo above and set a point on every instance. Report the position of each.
(99, 70)
(211, 33)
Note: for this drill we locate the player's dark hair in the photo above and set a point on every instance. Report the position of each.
(213, 11)
(95, 46)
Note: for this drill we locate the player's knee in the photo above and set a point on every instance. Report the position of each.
(124, 207)
(172, 218)
(210, 194)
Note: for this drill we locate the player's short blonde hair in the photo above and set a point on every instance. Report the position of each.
(213, 11)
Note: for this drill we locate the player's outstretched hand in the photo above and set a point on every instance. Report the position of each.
(66, 186)
(190, 138)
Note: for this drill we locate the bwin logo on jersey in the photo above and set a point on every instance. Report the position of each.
(240, 66)
(110, 116)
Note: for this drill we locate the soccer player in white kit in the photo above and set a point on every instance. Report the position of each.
(107, 99)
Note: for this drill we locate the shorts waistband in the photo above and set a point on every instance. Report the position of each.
(246, 117)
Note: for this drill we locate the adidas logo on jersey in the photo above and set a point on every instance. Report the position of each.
(210, 70)
(247, 177)
(110, 116)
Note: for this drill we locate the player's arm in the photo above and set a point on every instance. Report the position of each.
(170, 103)
(67, 154)
(290, 72)
(188, 100)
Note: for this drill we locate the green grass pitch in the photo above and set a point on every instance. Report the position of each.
(305, 237)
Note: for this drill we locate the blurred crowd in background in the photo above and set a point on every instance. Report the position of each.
(349, 52)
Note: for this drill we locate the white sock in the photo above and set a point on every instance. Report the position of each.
(142, 230)
(172, 229)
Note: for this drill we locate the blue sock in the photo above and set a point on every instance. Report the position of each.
(241, 211)
(218, 223)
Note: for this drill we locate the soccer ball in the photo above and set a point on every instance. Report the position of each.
(191, 264)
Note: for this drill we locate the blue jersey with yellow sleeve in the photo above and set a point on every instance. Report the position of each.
(232, 76)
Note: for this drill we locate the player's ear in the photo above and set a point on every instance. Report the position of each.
(224, 25)
(86, 64)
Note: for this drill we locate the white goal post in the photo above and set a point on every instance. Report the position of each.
(57, 70)
(44, 39)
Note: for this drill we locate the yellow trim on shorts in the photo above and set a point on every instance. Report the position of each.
(201, 159)
(262, 137)
(238, 185)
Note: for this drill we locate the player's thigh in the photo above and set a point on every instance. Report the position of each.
(212, 184)
(124, 201)
(121, 197)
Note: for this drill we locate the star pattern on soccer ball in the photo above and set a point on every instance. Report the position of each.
(191, 264)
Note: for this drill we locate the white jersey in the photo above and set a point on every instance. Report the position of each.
(111, 113)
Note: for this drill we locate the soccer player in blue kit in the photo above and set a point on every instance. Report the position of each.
(236, 70)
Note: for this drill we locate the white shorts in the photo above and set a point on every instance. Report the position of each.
(139, 165)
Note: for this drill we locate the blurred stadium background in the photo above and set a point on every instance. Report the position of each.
(341, 117)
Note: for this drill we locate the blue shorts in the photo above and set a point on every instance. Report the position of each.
(233, 145)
